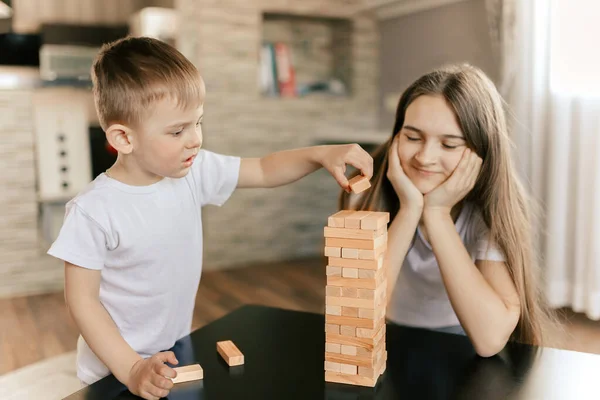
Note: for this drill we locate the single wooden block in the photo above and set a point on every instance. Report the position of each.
(351, 321)
(333, 348)
(357, 243)
(332, 366)
(353, 221)
(333, 310)
(348, 350)
(361, 264)
(367, 274)
(352, 282)
(350, 312)
(364, 293)
(348, 253)
(332, 328)
(357, 380)
(348, 330)
(349, 369)
(188, 373)
(375, 221)
(350, 302)
(334, 291)
(333, 271)
(334, 252)
(359, 183)
(356, 234)
(350, 273)
(230, 353)
(349, 292)
(337, 220)
(366, 313)
(371, 254)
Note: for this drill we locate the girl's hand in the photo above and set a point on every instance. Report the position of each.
(149, 378)
(335, 157)
(457, 186)
(407, 192)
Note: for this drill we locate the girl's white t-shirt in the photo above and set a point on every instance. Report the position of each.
(146, 241)
(419, 297)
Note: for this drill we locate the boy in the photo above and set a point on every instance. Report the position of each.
(132, 240)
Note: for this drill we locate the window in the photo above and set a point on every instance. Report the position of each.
(575, 47)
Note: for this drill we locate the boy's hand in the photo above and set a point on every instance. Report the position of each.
(335, 157)
(149, 377)
(457, 186)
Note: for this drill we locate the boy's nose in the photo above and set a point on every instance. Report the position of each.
(196, 140)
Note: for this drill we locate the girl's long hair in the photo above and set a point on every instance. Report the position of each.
(498, 193)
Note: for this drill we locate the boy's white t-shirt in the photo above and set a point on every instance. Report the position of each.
(419, 297)
(147, 243)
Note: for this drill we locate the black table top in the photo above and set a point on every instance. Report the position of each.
(284, 359)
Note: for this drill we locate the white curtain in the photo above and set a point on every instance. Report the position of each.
(557, 138)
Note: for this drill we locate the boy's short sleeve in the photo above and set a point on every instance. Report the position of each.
(484, 249)
(81, 240)
(215, 177)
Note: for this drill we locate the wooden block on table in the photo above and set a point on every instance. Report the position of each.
(360, 264)
(359, 183)
(230, 353)
(349, 292)
(333, 271)
(338, 377)
(375, 221)
(338, 220)
(351, 273)
(333, 348)
(355, 234)
(350, 312)
(353, 221)
(334, 291)
(334, 252)
(357, 243)
(188, 373)
(348, 253)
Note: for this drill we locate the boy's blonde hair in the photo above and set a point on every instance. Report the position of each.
(131, 74)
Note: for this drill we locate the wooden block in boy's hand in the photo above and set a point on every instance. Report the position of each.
(188, 373)
(230, 353)
(359, 183)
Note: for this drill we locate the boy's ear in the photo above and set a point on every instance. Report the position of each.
(120, 137)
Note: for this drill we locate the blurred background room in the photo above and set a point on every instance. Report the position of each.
(282, 74)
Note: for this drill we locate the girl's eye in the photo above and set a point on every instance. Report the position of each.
(412, 139)
(449, 146)
(199, 122)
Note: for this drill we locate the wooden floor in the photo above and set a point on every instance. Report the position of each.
(37, 327)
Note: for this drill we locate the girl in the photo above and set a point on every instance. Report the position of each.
(460, 252)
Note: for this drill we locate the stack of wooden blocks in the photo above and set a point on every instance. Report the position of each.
(355, 302)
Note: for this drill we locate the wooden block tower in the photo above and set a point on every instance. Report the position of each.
(355, 244)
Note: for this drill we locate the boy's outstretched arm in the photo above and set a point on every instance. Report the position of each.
(288, 166)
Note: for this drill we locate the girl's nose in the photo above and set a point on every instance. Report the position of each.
(426, 155)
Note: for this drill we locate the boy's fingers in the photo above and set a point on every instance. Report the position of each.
(339, 176)
(161, 380)
(167, 356)
(166, 371)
